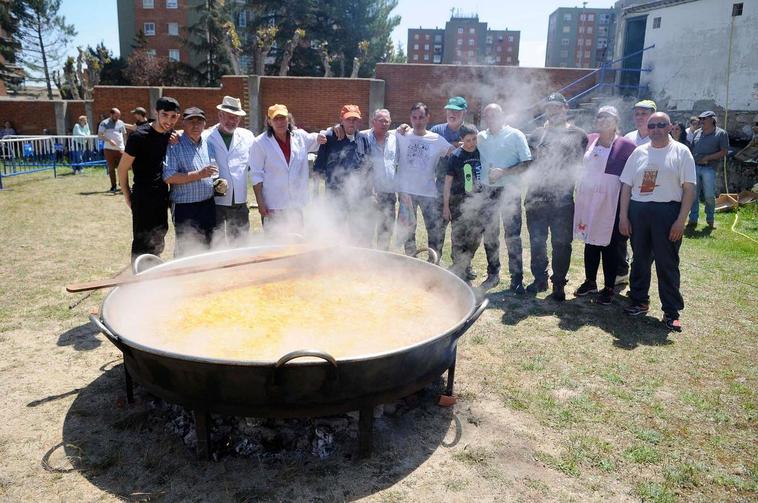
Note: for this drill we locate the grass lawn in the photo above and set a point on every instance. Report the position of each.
(556, 402)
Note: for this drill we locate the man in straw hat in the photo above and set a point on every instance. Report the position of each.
(231, 145)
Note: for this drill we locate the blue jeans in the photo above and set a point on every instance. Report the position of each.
(706, 184)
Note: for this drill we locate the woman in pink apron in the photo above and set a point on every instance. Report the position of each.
(596, 203)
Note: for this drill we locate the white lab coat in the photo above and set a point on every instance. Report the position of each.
(285, 186)
(233, 163)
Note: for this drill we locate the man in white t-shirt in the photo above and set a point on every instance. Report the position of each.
(656, 195)
(418, 152)
(642, 111)
(112, 131)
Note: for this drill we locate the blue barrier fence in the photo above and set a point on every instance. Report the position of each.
(22, 155)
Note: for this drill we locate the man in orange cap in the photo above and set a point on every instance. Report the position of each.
(345, 164)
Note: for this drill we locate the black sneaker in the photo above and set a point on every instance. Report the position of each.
(113, 189)
(536, 287)
(586, 288)
(637, 309)
(558, 295)
(672, 322)
(491, 282)
(605, 298)
(517, 288)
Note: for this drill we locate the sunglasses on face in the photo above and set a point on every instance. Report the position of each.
(659, 125)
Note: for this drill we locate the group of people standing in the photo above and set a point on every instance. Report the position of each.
(601, 188)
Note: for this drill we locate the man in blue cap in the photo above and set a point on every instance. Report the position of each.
(455, 114)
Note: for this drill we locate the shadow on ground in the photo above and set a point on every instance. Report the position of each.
(130, 452)
(82, 338)
(575, 313)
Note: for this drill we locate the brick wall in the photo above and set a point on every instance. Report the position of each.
(515, 88)
(315, 102)
(29, 117)
(123, 98)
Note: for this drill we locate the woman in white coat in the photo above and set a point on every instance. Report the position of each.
(280, 171)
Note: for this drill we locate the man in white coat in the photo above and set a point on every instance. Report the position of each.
(232, 146)
(279, 164)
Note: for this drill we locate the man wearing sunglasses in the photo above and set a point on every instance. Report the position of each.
(656, 195)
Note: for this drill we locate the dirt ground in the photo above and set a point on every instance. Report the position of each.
(554, 403)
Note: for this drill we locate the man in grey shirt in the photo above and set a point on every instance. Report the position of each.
(709, 146)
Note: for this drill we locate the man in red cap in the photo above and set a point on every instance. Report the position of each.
(345, 164)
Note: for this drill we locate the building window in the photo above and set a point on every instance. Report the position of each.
(426, 47)
(426, 36)
(566, 29)
(737, 9)
(587, 54)
(458, 52)
(173, 54)
(602, 43)
(567, 17)
(242, 19)
(471, 41)
(148, 29)
(438, 38)
(510, 49)
(426, 57)
(510, 38)
(471, 30)
(581, 29)
(590, 17)
(489, 39)
(415, 57)
(508, 60)
(459, 41)
(589, 29)
(172, 4)
(656, 23)
(471, 53)
(604, 18)
(582, 18)
(415, 37)
(564, 42)
(437, 58)
(602, 31)
(148, 4)
(415, 47)
(500, 48)
(497, 59)
(564, 54)
(173, 29)
(580, 41)
(150, 52)
(460, 30)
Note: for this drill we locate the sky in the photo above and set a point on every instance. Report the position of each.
(97, 20)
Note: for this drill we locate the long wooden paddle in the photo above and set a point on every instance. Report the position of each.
(182, 271)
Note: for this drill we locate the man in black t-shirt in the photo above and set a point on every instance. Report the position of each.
(148, 196)
(557, 151)
(463, 201)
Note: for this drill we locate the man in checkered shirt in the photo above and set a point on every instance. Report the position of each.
(189, 169)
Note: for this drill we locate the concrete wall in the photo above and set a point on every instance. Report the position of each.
(689, 61)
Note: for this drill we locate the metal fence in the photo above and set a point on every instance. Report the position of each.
(21, 155)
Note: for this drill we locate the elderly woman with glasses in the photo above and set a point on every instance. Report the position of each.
(597, 201)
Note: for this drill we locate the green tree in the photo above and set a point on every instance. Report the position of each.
(10, 46)
(214, 37)
(44, 36)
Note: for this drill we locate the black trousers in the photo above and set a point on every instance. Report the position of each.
(610, 255)
(506, 205)
(467, 230)
(233, 221)
(385, 218)
(622, 258)
(557, 218)
(651, 224)
(194, 224)
(149, 220)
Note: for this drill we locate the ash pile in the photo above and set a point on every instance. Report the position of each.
(271, 439)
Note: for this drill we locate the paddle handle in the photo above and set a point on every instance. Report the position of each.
(179, 271)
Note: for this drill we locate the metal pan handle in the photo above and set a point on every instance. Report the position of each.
(301, 353)
(144, 262)
(105, 330)
(471, 319)
(433, 255)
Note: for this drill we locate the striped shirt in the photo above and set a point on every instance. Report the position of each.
(186, 157)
